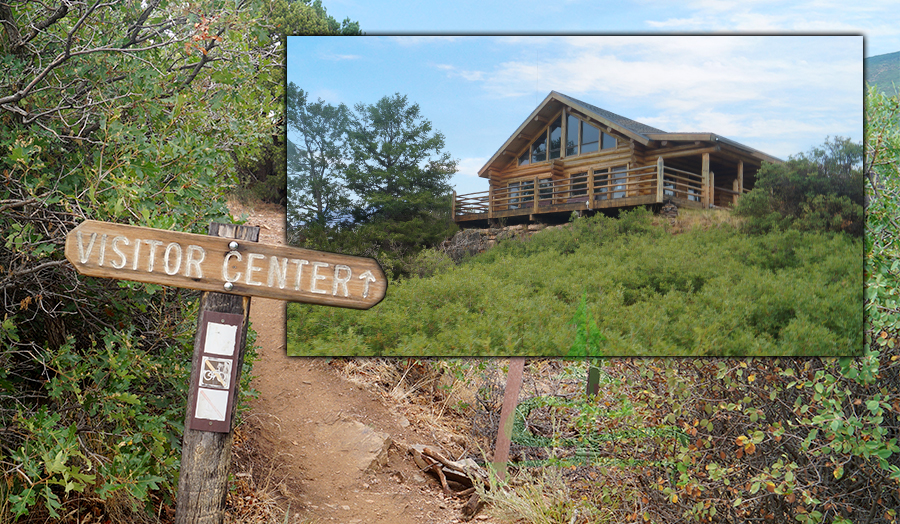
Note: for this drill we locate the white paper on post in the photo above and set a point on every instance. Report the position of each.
(212, 404)
(220, 339)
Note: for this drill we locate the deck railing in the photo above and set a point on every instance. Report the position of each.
(651, 184)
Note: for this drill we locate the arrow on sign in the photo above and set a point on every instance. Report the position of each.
(367, 278)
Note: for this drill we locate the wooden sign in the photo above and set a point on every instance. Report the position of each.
(209, 263)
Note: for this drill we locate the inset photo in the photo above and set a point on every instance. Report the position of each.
(582, 195)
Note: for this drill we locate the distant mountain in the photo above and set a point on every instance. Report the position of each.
(884, 72)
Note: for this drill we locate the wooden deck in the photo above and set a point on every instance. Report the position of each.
(644, 185)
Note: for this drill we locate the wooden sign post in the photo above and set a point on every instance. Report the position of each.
(230, 266)
(507, 415)
(206, 451)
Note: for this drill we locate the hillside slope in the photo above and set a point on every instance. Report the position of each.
(884, 72)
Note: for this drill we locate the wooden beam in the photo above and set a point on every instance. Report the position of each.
(491, 202)
(659, 179)
(740, 176)
(704, 173)
(705, 137)
(590, 202)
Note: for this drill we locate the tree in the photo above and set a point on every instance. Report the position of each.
(822, 189)
(260, 161)
(315, 167)
(127, 112)
(300, 17)
(399, 169)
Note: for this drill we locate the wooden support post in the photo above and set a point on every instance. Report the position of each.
(712, 189)
(535, 194)
(507, 415)
(704, 173)
(453, 206)
(491, 201)
(740, 177)
(206, 455)
(590, 202)
(659, 179)
(734, 187)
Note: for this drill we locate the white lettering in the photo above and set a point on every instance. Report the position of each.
(173, 246)
(102, 248)
(194, 263)
(341, 281)
(251, 269)
(81, 254)
(115, 246)
(137, 249)
(225, 267)
(315, 276)
(277, 272)
(300, 264)
(152, 244)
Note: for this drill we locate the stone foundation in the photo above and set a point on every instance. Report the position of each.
(473, 241)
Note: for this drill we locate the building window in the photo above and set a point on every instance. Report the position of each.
(581, 137)
(579, 184)
(601, 178)
(539, 150)
(545, 191)
(590, 138)
(609, 142)
(618, 175)
(513, 194)
(572, 137)
(555, 134)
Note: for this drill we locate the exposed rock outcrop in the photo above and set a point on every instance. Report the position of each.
(473, 241)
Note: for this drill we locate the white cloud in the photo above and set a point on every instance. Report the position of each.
(469, 167)
(453, 71)
(741, 87)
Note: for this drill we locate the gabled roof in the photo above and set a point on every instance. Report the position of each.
(627, 123)
(550, 106)
(637, 131)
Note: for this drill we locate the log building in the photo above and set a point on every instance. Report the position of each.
(572, 156)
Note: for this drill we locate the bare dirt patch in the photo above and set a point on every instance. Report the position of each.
(331, 449)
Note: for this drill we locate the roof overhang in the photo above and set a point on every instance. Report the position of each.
(728, 144)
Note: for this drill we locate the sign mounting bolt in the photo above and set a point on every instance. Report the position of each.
(229, 286)
(233, 245)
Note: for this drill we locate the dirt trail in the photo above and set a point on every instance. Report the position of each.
(309, 422)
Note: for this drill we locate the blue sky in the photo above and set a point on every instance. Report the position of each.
(785, 87)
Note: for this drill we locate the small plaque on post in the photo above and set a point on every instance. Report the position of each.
(213, 394)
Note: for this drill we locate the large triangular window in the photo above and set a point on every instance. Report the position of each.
(580, 138)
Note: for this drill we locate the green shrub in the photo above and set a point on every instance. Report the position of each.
(704, 292)
(822, 190)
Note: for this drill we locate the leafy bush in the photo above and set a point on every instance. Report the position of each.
(92, 371)
(705, 292)
(821, 190)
